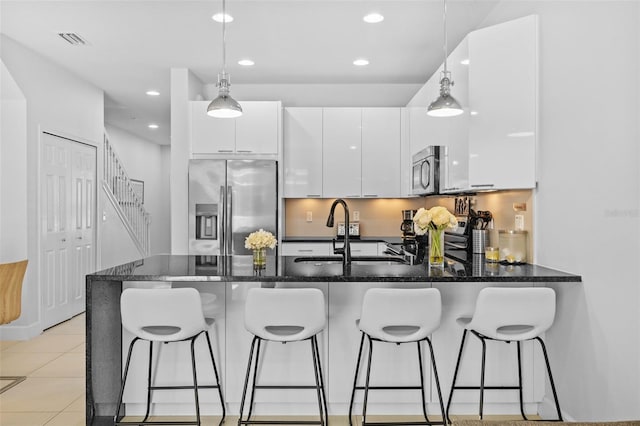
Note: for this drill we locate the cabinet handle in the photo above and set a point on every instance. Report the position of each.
(313, 195)
(305, 250)
(482, 185)
(353, 196)
(371, 195)
(452, 188)
(225, 150)
(244, 150)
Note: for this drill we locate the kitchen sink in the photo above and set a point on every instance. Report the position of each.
(355, 260)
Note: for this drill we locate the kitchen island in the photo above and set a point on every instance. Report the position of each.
(223, 282)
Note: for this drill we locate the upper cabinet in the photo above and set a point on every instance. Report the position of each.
(255, 132)
(381, 137)
(341, 153)
(503, 79)
(303, 152)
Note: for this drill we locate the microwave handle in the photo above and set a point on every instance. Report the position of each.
(422, 182)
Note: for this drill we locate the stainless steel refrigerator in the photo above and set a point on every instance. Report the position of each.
(229, 199)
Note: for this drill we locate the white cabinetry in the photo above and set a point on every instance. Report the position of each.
(503, 95)
(364, 248)
(303, 152)
(255, 132)
(341, 154)
(381, 152)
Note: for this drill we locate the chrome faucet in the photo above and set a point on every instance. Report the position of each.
(345, 250)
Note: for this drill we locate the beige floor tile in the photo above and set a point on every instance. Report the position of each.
(51, 395)
(23, 364)
(25, 419)
(68, 418)
(78, 405)
(73, 326)
(4, 344)
(80, 349)
(47, 343)
(66, 365)
(205, 420)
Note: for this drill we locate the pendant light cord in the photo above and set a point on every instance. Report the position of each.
(444, 47)
(224, 38)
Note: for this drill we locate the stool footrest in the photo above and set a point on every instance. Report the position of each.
(402, 423)
(280, 422)
(160, 422)
(183, 387)
(487, 387)
(284, 387)
(389, 387)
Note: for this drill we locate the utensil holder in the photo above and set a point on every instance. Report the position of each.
(479, 240)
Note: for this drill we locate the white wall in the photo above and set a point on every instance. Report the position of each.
(587, 214)
(59, 102)
(144, 160)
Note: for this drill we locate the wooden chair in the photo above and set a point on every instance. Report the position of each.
(11, 277)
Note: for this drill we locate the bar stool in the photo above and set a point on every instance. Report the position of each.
(508, 315)
(165, 315)
(392, 315)
(284, 315)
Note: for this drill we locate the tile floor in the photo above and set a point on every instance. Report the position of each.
(53, 392)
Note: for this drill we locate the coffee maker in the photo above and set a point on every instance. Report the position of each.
(408, 232)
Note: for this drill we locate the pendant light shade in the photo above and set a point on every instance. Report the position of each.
(224, 106)
(445, 105)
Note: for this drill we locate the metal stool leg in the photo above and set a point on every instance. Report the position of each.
(455, 374)
(195, 379)
(146, 414)
(124, 379)
(255, 378)
(355, 378)
(322, 390)
(437, 380)
(484, 357)
(215, 372)
(520, 382)
(246, 379)
(366, 385)
(422, 396)
(553, 386)
(316, 375)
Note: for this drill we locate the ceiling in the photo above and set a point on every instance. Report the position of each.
(132, 45)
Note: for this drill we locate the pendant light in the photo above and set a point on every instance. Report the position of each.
(224, 106)
(446, 105)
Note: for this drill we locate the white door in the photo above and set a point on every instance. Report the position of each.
(68, 201)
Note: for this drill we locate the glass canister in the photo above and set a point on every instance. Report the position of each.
(513, 246)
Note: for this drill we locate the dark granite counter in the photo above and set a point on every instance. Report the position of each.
(291, 269)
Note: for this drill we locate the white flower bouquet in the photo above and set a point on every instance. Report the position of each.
(436, 218)
(259, 240)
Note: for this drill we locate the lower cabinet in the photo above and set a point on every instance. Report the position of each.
(326, 248)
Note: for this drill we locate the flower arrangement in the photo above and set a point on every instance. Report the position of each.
(260, 240)
(435, 220)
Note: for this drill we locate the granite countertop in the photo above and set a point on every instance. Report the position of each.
(290, 268)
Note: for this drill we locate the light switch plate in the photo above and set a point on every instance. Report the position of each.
(309, 216)
(356, 215)
(519, 225)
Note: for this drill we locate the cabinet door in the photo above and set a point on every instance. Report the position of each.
(210, 135)
(341, 156)
(306, 249)
(503, 95)
(455, 162)
(364, 249)
(381, 152)
(257, 128)
(302, 152)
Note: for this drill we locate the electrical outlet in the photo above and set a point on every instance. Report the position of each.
(519, 222)
(309, 216)
(520, 207)
(356, 215)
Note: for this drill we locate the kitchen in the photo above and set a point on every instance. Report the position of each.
(573, 219)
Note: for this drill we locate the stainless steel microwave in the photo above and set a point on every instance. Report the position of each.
(426, 170)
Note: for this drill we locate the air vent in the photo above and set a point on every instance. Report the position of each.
(73, 39)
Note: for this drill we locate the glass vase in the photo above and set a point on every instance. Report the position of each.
(436, 247)
(259, 258)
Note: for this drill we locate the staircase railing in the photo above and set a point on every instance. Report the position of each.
(129, 206)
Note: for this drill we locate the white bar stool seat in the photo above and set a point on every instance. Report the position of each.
(508, 315)
(393, 315)
(284, 315)
(165, 315)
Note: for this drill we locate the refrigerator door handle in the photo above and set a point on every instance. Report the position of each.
(229, 222)
(222, 220)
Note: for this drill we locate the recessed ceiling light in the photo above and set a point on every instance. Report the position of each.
(153, 126)
(474, 113)
(360, 62)
(465, 61)
(218, 17)
(246, 62)
(373, 18)
(153, 93)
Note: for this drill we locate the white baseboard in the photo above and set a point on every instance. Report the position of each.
(20, 332)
